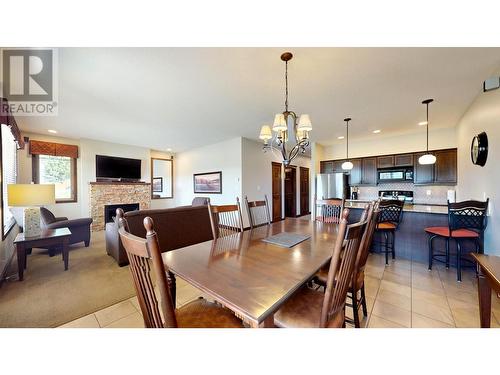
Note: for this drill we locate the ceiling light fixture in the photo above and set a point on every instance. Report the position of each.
(169, 149)
(427, 158)
(377, 131)
(341, 137)
(422, 123)
(347, 165)
(52, 131)
(300, 128)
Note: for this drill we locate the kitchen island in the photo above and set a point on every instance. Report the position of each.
(411, 238)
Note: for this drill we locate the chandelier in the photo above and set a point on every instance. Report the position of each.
(277, 138)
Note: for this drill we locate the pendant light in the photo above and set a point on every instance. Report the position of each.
(427, 158)
(347, 165)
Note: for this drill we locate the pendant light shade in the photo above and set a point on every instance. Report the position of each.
(265, 133)
(347, 165)
(428, 158)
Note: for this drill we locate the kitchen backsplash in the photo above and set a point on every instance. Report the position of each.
(438, 194)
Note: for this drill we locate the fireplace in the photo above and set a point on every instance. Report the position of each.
(110, 210)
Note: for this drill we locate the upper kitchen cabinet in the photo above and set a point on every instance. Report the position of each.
(403, 160)
(423, 174)
(326, 166)
(446, 167)
(356, 172)
(385, 161)
(369, 171)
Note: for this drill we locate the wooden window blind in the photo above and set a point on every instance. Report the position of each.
(54, 149)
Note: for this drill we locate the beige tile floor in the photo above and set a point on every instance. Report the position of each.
(403, 294)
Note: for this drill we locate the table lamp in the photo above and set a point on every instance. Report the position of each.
(28, 196)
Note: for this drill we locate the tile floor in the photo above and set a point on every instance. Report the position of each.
(403, 294)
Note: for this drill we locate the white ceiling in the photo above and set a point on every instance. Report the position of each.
(182, 98)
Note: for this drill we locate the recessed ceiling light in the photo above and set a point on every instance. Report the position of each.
(169, 149)
(52, 131)
(422, 123)
(377, 131)
(341, 137)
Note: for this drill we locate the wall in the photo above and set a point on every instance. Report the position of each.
(257, 173)
(475, 182)
(223, 156)
(382, 145)
(88, 149)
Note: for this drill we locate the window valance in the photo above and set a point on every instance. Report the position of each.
(51, 148)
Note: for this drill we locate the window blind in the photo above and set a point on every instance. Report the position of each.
(9, 172)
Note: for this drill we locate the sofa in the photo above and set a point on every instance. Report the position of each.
(176, 227)
(80, 228)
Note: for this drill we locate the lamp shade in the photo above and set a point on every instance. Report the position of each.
(265, 133)
(304, 123)
(427, 159)
(27, 195)
(347, 165)
(279, 123)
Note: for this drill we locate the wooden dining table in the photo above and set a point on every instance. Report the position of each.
(251, 277)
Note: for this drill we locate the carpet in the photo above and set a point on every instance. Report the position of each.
(50, 296)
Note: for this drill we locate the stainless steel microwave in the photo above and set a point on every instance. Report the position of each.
(395, 175)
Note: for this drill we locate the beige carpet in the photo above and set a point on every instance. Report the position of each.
(50, 296)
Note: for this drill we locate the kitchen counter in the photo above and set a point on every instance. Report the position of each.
(420, 208)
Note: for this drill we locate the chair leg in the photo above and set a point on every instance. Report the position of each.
(355, 307)
(393, 244)
(459, 262)
(386, 248)
(363, 301)
(430, 252)
(478, 248)
(447, 254)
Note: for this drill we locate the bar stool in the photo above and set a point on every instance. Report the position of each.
(467, 220)
(391, 214)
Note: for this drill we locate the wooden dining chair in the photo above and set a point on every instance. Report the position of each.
(258, 212)
(329, 210)
(160, 313)
(311, 308)
(226, 219)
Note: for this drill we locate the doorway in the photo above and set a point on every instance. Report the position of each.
(276, 198)
(304, 191)
(290, 191)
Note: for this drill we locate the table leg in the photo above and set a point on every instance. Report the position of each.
(21, 260)
(484, 294)
(268, 322)
(65, 252)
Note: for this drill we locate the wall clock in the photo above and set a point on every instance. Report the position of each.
(479, 149)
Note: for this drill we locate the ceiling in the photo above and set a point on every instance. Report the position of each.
(181, 98)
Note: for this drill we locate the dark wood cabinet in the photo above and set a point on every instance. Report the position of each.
(403, 160)
(368, 171)
(356, 172)
(446, 166)
(326, 167)
(423, 174)
(337, 166)
(385, 161)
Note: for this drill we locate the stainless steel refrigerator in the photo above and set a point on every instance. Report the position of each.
(332, 185)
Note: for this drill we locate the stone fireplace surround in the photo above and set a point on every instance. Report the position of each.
(110, 193)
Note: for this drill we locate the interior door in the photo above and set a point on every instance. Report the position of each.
(276, 198)
(290, 191)
(304, 191)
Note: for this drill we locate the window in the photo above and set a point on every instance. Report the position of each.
(58, 170)
(9, 173)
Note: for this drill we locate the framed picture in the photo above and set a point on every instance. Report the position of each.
(208, 183)
(157, 184)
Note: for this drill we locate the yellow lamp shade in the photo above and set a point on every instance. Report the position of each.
(27, 195)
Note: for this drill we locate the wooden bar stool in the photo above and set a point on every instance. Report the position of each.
(466, 221)
(391, 214)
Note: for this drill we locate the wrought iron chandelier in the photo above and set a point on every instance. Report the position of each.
(300, 128)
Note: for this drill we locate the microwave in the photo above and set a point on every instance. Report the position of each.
(395, 175)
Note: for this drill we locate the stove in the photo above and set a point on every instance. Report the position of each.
(401, 195)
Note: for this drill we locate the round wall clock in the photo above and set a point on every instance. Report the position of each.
(479, 149)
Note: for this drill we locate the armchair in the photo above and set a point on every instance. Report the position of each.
(80, 228)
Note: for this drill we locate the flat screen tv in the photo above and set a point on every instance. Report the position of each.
(111, 167)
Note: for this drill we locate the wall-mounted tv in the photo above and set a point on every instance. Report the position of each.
(111, 167)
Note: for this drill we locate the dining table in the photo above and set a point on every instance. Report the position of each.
(251, 277)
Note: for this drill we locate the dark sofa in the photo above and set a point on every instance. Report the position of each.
(176, 227)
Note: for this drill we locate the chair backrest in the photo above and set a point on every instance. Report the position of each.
(329, 210)
(366, 241)
(258, 212)
(391, 211)
(141, 253)
(468, 215)
(341, 271)
(47, 216)
(226, 219)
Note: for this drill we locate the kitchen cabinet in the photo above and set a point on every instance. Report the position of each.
(403, 160)
(356, 172)
(385, 161)
(337, 166)
(369, 171)
(446, 166)
(423, 174)
(326, 167)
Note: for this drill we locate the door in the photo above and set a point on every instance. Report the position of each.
(304, 191)
(290, 191)
(446, 166)
(424, 174)
(276, 182)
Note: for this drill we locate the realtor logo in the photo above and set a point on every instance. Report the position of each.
(29, 81)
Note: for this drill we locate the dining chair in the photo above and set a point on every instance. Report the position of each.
(389, 218)
(311, 308)
(160, 313)
(258, 212)
(329, 210)
(226, 219)
(467, 220)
